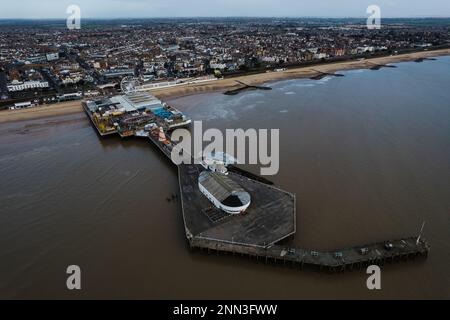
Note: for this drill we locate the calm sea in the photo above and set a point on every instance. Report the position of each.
(368, 156)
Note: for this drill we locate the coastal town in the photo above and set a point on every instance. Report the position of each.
(48, 63)
(224, 158)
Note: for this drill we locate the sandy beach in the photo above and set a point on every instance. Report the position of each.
(45, 111)
(224, 84)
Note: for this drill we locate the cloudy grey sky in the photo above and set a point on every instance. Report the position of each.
(39, 9)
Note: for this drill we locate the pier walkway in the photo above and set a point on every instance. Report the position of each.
(333, 261)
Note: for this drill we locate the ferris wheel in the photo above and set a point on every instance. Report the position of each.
(129, 84)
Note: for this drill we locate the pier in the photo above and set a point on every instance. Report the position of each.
(213, 232)
(269, 220)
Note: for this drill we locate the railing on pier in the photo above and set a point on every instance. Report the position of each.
(338, 260)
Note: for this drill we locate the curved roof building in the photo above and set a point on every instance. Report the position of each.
(223, 192)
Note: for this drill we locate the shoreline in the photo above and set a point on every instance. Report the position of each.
(290, 74)
(72, 107)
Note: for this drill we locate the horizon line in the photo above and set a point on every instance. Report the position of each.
(242, 17)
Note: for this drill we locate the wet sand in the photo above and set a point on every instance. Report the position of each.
(224, 84)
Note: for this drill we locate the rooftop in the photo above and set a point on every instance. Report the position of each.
(136, 101)
(224, 189)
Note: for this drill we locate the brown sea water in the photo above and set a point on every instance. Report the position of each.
(368, 156)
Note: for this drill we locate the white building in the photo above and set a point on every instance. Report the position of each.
(72, 78)
(22, 105)
(320, 55)
(27, 85)
(365, 49)
(223, 192)
(219, 66)
(269, 59)
(70, 96)
(52, 56)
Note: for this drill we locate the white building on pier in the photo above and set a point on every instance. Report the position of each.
(223, 192)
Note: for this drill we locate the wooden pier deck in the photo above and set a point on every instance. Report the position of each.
(333, 261)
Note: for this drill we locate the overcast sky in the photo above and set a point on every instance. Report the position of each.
(39, 9)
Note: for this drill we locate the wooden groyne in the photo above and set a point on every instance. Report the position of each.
(333, 261)
(375, 66)
(424, 59)
(320, 75)
(244, 87)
